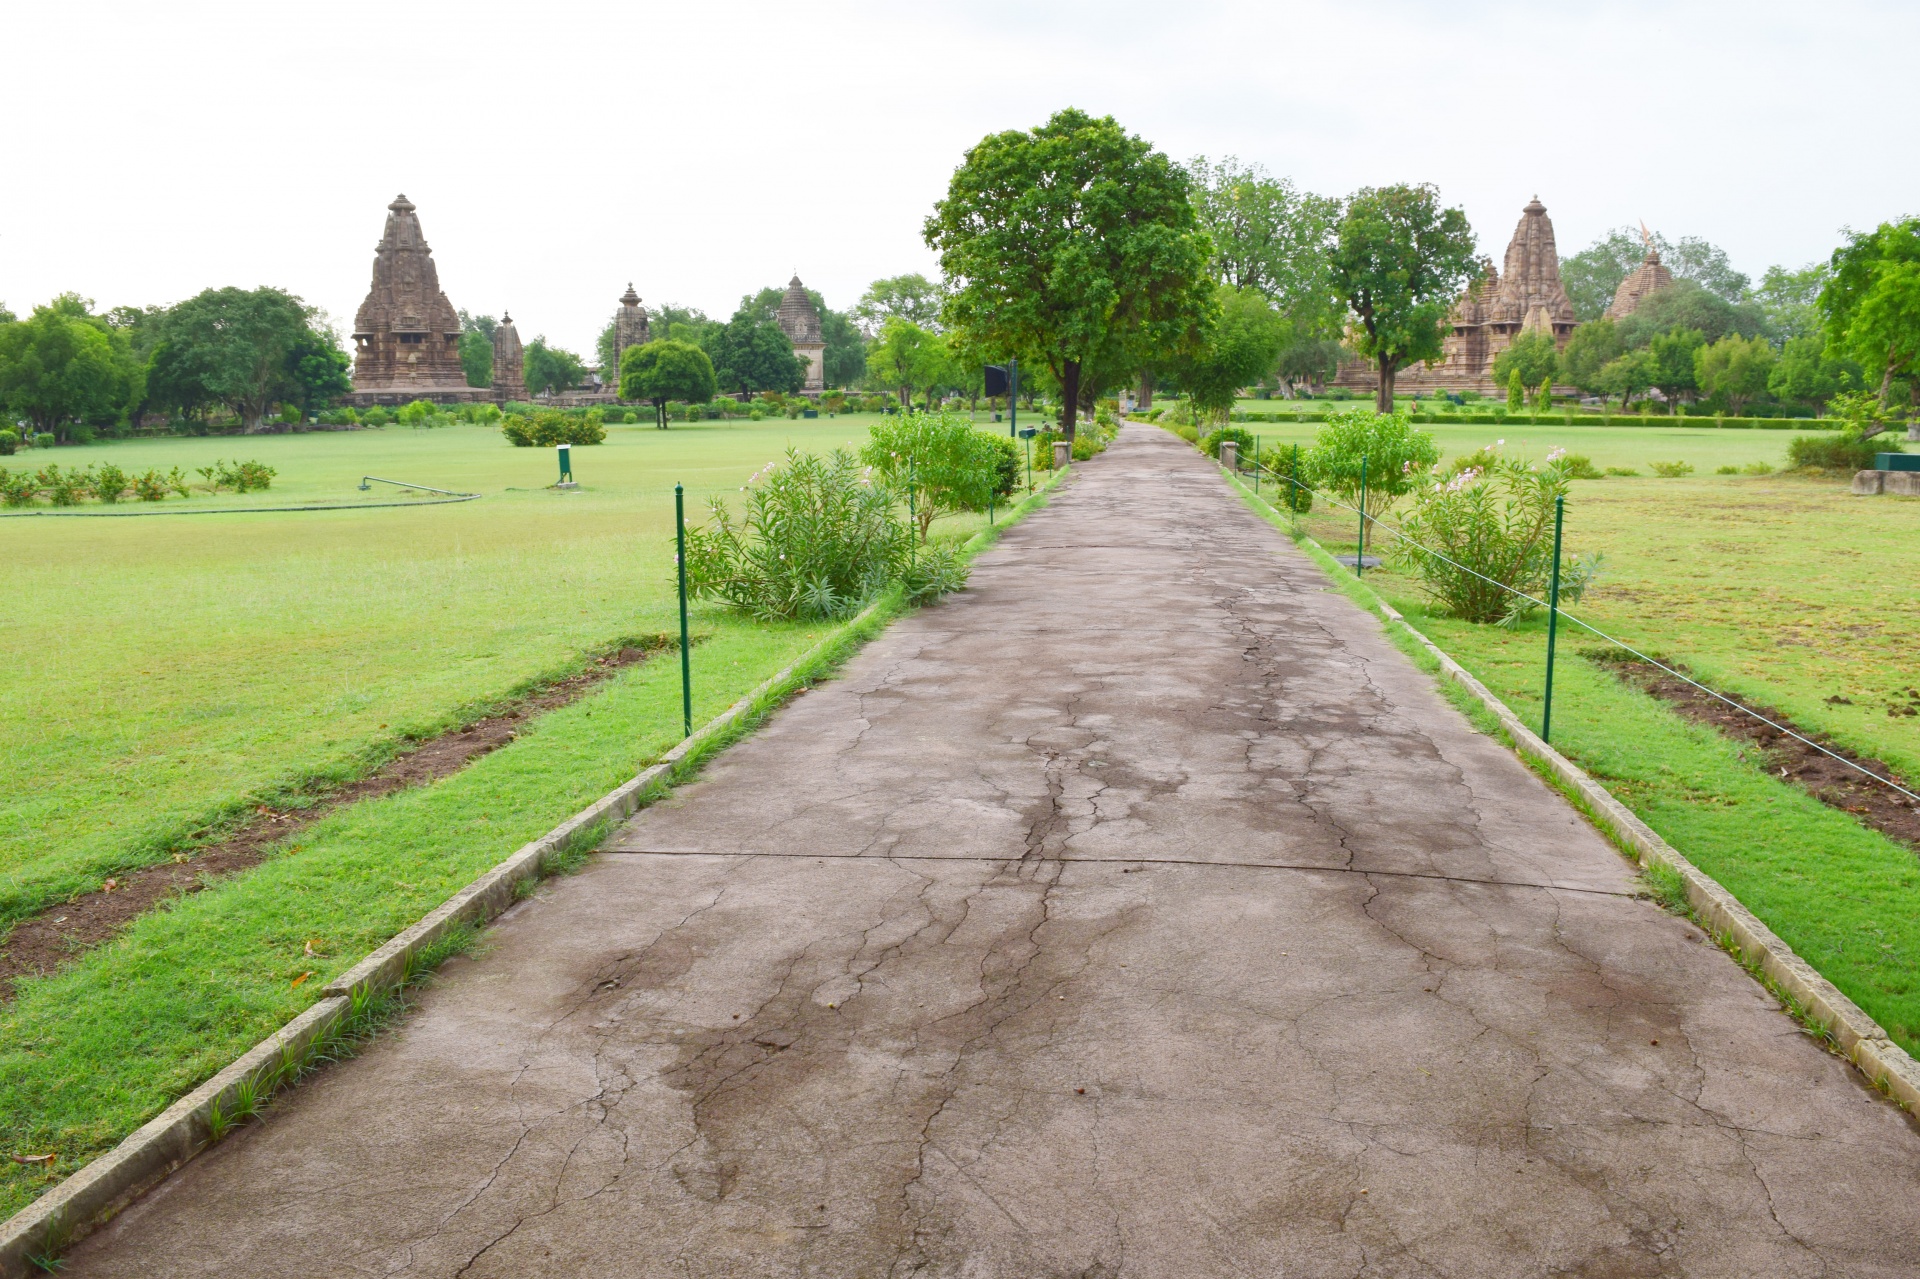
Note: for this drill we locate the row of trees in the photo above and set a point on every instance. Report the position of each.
(73, 372)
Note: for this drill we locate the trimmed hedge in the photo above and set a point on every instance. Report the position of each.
(1567, 417)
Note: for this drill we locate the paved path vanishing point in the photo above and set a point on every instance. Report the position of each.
(1138, 912)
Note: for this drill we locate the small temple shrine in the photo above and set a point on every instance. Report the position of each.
(1642, 283)
(1524, 295)
(801, 323)
(629, 329)
(509, 362)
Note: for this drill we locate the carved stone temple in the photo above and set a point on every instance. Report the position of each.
(406, 336)
(801, 323)
(629, 329)
(1525, 295)
(509, 362)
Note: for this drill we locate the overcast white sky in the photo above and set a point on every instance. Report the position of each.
(558, 150)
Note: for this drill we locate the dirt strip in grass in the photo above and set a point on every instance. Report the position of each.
(58, 934)
(1827, 779)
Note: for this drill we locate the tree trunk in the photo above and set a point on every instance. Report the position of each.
(1069, 398)
(1146, 388)
(1383, 396)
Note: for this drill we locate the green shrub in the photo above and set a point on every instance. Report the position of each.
(1397, 457)
(1496, 524)
(110, 483)
(948, 464)
(1757, 468)
(546, 428)
(44, 440)
(376, 416)
(817, 538)
(1288, 467)
(1672, 470)
(1009, 462)
(1190, 434)
(1220, 435)
(1840, 451)
(1726, 470)
(63, 488)
(1581, 467)
(17, 488)
(1624, 471)
(151, 486)
(9, 442)
(1087, 443)
(419, 413)
(479, 414)
(241, 477)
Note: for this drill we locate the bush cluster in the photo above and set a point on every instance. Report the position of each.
(546, 428)
(69, 486)
(816, 538)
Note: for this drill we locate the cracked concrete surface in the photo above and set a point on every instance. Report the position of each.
(1138, 912)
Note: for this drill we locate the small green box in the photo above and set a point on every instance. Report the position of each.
(1896, 461)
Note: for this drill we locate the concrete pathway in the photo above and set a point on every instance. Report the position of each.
(1139, 912)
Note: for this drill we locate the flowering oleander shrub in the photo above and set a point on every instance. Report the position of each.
(817, 537)
(1483, 533)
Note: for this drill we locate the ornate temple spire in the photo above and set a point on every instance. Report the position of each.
(406, 334)
(509, 361)
(801, 323)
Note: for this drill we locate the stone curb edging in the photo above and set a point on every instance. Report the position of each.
(93, 1195)
(1854, 1035)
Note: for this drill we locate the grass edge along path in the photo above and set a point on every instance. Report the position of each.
(89, 1054)
(1721, 838)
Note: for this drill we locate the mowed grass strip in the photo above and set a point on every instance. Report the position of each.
(1845, 898)
(1785, 589)
(90, 1053)
(166, 673)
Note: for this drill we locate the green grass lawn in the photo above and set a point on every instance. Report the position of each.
(174, 666)
(1783, 588)
(163, 671)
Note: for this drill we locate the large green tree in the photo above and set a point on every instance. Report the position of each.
(236, 344)
(550, 369)
(476, 348)
(751, 354)
(1592, 275)
(1399, 260)
(904, 356)
(1733, 370)
(1241, 346)
(1534, 354)
(1805, 374)
(1689, 305)
(1871, 306)
(317, 371)
(844, 362)
(1790, 300)
(1673, 362)
(60, 371)
(912, 297)
(1270, 237)
(664, 370)
(1071, 245)
(1593, 346)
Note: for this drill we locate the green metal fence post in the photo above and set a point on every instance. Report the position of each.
(1360, 552)
(686, 657)
(1256, 466)
(1293, 483)
(1553, 617)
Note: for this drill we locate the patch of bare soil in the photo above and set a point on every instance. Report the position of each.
(1825, 778)
(55, 936)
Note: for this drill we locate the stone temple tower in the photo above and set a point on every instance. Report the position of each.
(801, 323)
(509, 371)
(629, 329)
(406, 336)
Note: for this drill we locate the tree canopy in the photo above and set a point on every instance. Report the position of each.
(751, 354)
(476, 348)
(237, 347)
(664, 370)
(1399, 261)
(906, 356)
(1533, 354)
(1733, 370)
(1073, 245)
(59, 370)
(1871, 306)
(1241, 346)
(1688, 305)
(912, 297)
(550, 369)
(1593, 275)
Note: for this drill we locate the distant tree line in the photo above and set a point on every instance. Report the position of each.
(76, 373)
